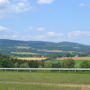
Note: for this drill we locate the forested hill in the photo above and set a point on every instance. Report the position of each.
(16, 47)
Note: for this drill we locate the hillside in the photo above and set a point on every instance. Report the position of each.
(37, 48)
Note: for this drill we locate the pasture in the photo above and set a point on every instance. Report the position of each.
(44, 80)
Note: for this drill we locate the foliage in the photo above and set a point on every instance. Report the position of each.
(48, 64)
(56, 65)
(85, 64)
(68, 63)
(6, 61)
(10, 62)
(33, 64)
(24, 65)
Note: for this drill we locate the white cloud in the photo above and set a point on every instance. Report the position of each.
(21, 6)
(2, 28)
(6, 33)
(83, 4)
(54, 34)
(41, 29)
(11, 7)
(41, 37)
(4, 1)
(57, 37)
(8, 36)
(76, 34)
(45, 1)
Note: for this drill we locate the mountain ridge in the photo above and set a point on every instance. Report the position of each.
(8, 46)
(44, 41)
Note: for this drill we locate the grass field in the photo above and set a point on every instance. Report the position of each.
(44, 80)
(23, 47)
(45, 50)
(77, 62)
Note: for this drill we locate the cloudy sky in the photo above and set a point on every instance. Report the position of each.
(45, 20)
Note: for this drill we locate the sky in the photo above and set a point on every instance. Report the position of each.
(45, 20)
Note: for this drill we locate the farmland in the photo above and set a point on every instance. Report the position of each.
(63, 58)
(31, 58)
(74, 58)
(23, 47)
(44, 80)
(24, 53)
(45, 50)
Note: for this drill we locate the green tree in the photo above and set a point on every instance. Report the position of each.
(33, 64)
(48, 64)
(24, 65)
(41, 64)
(68, 63)
(85, 64)
(6, 62)
(56, 65)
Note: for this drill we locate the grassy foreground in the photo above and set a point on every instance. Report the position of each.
(42, 80)
(33, 87)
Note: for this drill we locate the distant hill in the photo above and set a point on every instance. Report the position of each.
(30, 48)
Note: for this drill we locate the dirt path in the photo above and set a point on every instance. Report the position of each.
(46, 84)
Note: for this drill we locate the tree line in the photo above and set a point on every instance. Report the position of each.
(10, 62)
(67, 63)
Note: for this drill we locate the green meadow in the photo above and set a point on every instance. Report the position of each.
(44, 80)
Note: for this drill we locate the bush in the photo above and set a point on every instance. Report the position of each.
(48, 64)
(34, 64)
(56, 65)
(6, 62)
(85, 64)
(68, 63)
(24, 65)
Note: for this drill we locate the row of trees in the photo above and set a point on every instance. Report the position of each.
(8, 62)
(68, 63)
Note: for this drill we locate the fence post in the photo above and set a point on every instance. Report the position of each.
(17, 70)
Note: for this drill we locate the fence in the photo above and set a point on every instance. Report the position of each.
(45, 69)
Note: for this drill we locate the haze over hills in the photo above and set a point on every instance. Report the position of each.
(28, 48)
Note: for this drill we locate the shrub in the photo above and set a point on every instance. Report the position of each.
(68, 63)
(33, 64)
(56, 65)
(24, 65)
(85, 64)
(48, 64)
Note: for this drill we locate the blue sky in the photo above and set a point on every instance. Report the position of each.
(45, 20)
